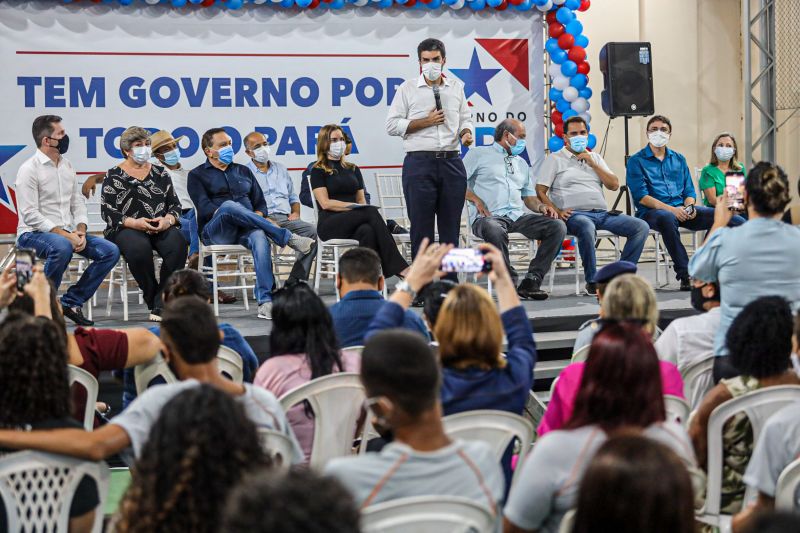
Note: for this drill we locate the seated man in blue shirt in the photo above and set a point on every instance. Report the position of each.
(360, 283)
(282, 202)
(231, 209)
(663, 193)
(499, 188)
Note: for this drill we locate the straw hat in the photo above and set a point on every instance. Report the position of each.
(160, 138)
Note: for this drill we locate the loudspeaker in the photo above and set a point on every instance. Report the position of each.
(627, 79)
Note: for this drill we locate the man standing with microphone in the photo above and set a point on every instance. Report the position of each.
(430, 113)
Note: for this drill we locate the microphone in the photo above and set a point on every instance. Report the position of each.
(436, 97)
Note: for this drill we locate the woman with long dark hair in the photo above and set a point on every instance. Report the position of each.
(303, 346)
(200, 448)
(620, 391)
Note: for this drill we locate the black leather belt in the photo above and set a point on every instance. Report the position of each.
(437, 155)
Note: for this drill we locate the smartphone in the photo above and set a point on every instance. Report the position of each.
(465, 260)
(25, 259)
(734, 185)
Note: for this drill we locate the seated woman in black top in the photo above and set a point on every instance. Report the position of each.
(142, 211)
(343, 210)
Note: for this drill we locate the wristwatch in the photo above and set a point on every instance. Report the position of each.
(403, 286)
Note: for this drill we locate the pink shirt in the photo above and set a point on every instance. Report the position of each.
(559, 410)
(283, 373)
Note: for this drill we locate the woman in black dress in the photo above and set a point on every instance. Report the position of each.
(142, 213)
(343, 210)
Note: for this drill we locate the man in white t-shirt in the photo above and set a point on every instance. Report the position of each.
(191, 340)
(571, 181)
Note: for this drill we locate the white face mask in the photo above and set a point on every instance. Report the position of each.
(432, 71)
(336, 150)
(658, 138)
(724, 153)
(261, 154)
(141, 154)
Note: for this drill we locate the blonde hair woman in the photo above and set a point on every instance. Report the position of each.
(630, 297)
(338, 188)
(724, 158)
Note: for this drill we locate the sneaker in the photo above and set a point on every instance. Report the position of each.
(265, 311)
(530, 289)
(76, 315)
(591, 289)
(685, 285)
(155, 315)
(300, 244)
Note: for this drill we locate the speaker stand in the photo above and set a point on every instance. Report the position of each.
(623, 190)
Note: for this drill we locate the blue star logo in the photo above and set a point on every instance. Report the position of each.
(475, 78)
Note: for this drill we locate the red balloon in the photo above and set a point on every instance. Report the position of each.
(410, 3)
(577, 54)
(556, 30)
(565, 41)
(583, 68)
(425, 1)
(558, 130)
(502, 7)
(555, 117)
(207, 3)
(515, 2)
(314, 4)
(551, 17)
(585, 5)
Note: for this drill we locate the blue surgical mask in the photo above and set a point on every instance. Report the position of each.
(578, 143)
(225, 155)
(724, 153)
(518, 147)
(172, 157)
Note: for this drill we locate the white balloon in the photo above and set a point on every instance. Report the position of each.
(559, 2)
(458, 5)
(547, 7)
(152, 2)
(586, 116)
(554, 69)
(360, 3)
(561, 82)
(580, 105)
(570, 95)
(259, 2)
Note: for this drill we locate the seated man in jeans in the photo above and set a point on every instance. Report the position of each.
(231, 210)
(574, 179)
(663, 193)
(499, 189)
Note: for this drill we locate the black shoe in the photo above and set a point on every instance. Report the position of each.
(530, 289)
(76, 315)
(419, 301)
(591, 289)
(395, 228)
(685, 285)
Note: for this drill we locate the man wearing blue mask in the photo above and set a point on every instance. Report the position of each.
(499, 188)
(231, 210)
(571, 181)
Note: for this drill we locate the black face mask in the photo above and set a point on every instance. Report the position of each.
(63, 144)
(698, 300)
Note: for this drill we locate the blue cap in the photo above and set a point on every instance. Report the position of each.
(612, 270)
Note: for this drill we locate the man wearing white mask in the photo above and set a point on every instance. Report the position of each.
(571, 182)
(664, 196)
(431, 114)
(283, 205)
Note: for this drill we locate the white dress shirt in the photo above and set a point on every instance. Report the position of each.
(48, 196)
(180, 177)
(414, 100)
(689, 339)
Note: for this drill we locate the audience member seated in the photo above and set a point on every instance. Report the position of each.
(300, 501)
(620, 392)
(34, 395)
(690, 339)
(724, 158)
(792, 213)
(360, 283)
(629, 298)
(192, 283)
(142, 213)
(401, 378)
(302, 347)
(775, 522)
(190, 341)
(200, 446)
(760, 345)
(305, 188)
(633, 485)
(343, 212)
(433, 296)
(757, 259)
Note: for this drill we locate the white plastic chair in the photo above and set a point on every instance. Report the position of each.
(427, 514)
(278, 446)
(574, 260)
(496, 428)
(392, 202)
(759, 405)
(355, 349)
(144, 374)
(230, 364)
(786, 489)
(567, 522)
(534, 411)
(89, 383)
(698, 379)
(336, 401)
(37, 490)
(119, 278)
(677, 409)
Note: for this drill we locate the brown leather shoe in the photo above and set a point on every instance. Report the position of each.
(225, 298)
(194, 261)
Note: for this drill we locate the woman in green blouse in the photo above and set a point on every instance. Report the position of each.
(724, 158)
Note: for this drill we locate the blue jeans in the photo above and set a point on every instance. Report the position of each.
(584, 226)
(667, 224)
(57, 252)
(235, 224)
(189, 230)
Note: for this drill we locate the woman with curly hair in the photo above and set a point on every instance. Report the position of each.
(34, 394)
(199, 448)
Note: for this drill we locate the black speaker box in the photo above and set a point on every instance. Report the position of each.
(627, 79)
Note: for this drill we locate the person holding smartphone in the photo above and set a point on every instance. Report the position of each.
(724, 159)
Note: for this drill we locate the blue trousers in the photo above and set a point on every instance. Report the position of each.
(235, 224)
(189, 230)
(57, 252)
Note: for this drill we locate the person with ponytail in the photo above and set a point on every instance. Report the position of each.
(724, 158)
(759, 258)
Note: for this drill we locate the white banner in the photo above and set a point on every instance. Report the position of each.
(285, 73)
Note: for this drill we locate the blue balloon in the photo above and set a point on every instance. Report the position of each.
(434, 4)
(192, 1)
(572, 4)
(559, 56)
(581, 40)
(494, 3)
(234, 4)
(450, 2)
(477, 5)
(586, 92)
(569, 114)
(525, 5)
(539, 2)
(383, 4)
(579, 81)
(551, 45)
(336, 4)
(562, 105)
(554, 144)
(592, 141)
(129, 2)
(574, 27)
(564, 15)
(303, 3)
(569, 68)
(555, 95)
(178, 3)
